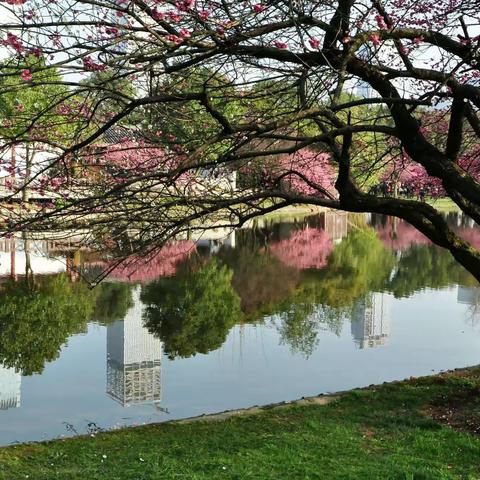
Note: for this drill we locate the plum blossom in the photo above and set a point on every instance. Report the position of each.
(204, 14)
(280, 45)
(91, 66)
(26, 75)
(381, 22)
(14, 42)
(157, 15)
(174, 17)
(375, 39)
(314, 43)
(174, 38)
(259, 8)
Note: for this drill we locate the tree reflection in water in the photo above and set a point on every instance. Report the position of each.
(36, 319)
(300, 299)
(193, 311)
(279, 276)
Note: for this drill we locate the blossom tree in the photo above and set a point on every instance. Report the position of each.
(323, 59)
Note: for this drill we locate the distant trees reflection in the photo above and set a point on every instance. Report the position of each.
(276, 278)
(36, 319)
(300, 300)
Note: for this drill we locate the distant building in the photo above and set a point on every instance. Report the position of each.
(363, 89)
(134, 359)
(468, 295)
(10, 388)
(335, 224)
(370, 325)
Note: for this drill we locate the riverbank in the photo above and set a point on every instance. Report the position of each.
(419, 428)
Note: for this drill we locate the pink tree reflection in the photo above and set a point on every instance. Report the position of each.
(161, 263)
(399, 235)
(306, 248)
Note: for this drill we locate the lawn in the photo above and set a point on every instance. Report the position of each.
(444, 204)
(422, 428)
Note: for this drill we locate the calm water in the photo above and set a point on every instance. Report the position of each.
(271, 313)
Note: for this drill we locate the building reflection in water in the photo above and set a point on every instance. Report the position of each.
(370, 325)
(134, 358)
(468, 295)
(10, 385)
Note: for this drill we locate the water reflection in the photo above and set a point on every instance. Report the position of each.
(10, 385)
(134, 359)
(371, 320)
(326, 276)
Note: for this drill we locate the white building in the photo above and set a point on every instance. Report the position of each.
(370, 325)
(134, 359)
(10, 388)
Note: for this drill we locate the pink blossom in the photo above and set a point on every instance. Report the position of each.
(259, 7)
(91, 66)
(174, 38)
(36, 52)
(185, 33)
(185, 5)
(281, 45)
(381, 22)
(26, 75)
(314, 43)
(305, 249)
(157, 15)
(111, 30)
(174, 17)
(375, 39)
(346, 39)
(14, 42)
(418, 40)
(204, 14)
(163, 262)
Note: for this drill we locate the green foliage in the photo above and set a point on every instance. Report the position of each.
(189, 123)
(194, 311)
(23, 102)
(427, 266)
(113, 301)
(359, 264)
(37, 319)
(260, 279)
(108, 93)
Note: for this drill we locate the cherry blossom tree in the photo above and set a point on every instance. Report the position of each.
(398, 59)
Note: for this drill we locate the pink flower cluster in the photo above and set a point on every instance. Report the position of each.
(92, 66)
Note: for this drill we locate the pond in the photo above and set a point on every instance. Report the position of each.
(277, 311)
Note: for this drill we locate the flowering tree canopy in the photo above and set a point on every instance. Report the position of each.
(217, 85)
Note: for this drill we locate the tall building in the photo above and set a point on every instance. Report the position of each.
(134, 359)
(370, 325)
(10, 388)
(468, 295)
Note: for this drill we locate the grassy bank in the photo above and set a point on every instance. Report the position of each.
(444, 204)
(418, 429)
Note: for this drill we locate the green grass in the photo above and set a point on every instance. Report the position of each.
(444, 204)
(384, 432)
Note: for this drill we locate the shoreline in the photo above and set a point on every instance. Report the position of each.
(427, 426)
